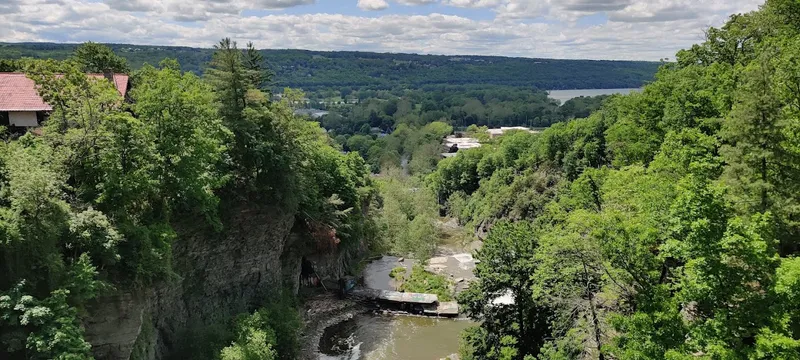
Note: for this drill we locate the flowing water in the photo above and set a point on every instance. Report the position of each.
(376, 336)
(379, 337)
(376, 273)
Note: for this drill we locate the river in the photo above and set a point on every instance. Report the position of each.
(565, 95)
(377, 336)
(384, 337)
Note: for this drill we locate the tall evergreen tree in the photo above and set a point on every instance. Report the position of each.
(260, 76)
(227, 75)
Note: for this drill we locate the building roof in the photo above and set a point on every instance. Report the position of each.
(120, 82)
(504, 129)
(461, 142)
(18, 92)
(313, 113)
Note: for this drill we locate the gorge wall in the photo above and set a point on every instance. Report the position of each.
(217, 276)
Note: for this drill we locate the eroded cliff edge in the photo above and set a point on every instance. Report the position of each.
(218, 274)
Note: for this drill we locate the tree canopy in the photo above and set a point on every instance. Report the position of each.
(313, 71)
(662, 226)
(89, 206)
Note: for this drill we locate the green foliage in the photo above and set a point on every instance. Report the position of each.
(456, 205)
(505, 270)
(268, 334)
(475, 109)
(783, 343)
(407, 216)
(135, 171)
(420, 146)
(421, 281)
(254, 62)
(661, 226)
(42, 329)
(510, 196)
(671, 230)
(334, 71)
(478, 132)
(460, 173)
(251, 345)
(398, 273)
(229, 78)
(178, 112)
(472, 341)
(97, 58)
(425, 158)
(88, 207)
(277, 157)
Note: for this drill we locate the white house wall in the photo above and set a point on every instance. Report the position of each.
(22, 119)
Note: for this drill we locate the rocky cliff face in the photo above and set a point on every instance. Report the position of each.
(218, 275)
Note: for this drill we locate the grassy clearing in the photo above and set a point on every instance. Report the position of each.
(421, 281)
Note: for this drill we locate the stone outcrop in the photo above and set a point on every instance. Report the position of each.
(217, 275)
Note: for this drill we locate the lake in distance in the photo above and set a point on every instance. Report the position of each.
(564, 95)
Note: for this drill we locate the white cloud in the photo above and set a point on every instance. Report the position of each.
(672, 10)
(372, 5)
(637, 29)
(198, 10)
(620, 10)
(594, 5)
(134, 5)
(277, 4)
(473, 3)
(516, 9)
(415, 2)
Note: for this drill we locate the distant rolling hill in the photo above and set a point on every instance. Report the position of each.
(313, 70)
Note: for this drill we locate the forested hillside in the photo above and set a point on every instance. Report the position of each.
(386, 128)
(664, 226)
(486, 106)
(316, 70)
(89, 205)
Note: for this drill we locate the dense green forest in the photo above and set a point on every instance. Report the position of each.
(663, 226)
(389, 126)
(312, 71)
(90, 206)
(379, 127)
(490, 106)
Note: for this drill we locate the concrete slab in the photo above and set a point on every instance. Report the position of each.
(442, 309)
(438, 260)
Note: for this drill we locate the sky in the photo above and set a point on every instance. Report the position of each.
(569, 29)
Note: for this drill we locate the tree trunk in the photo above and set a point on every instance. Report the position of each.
(593, 311)
(764, 180)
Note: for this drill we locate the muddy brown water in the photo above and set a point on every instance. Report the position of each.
(379, 337)
(376, 336)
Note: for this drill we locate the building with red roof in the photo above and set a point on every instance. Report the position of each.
(22, 107)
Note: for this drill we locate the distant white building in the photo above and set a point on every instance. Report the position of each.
(461, 143)
(498, 132)
(313, 113)
(453, 144)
